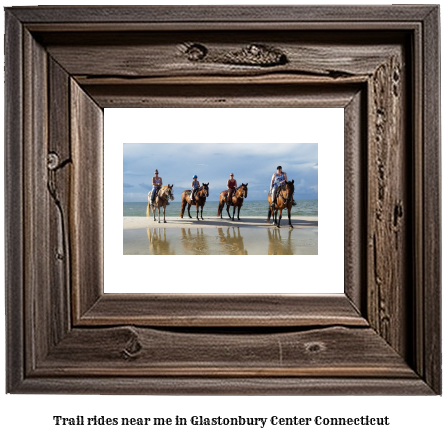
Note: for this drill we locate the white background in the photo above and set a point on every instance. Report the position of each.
(324, 126)
(31, 415)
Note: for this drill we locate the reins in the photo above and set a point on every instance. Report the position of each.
(202, 188)
(285, 200)
(163, 192)
(243, 192)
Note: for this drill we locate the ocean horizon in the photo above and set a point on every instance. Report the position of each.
(305, 207)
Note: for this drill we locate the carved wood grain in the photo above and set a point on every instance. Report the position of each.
(388, 205)
(14, 202)
(430, 319)
(86, 208)
(37, 254)
(259, 15)
(127, 350)
(355, 194)
(240, 310)
(164, 54)
(59, 166)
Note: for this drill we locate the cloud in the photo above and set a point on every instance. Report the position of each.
(303, 188)
(127, 185)
(250, 163)
(146, 186)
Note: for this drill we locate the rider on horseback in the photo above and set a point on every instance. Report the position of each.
(277, 180)
(156, 184)
(231, 185)
(194, 185)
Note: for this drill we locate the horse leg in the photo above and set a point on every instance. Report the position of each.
(227, 209)
(289, 218)
(189, 211)
(201, 213)
(159, 217)
(164, 213)
(279, 218)
(238, 213)
(233, 214)
(196, 206)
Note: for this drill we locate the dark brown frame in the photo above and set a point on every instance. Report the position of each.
(64, 65)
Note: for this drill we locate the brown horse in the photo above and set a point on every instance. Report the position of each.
(199, 200)
(161, 199)
(283, 199)
(237, 201)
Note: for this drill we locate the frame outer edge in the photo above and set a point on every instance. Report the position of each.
(220, 13)
(14, 243)
(432, 202)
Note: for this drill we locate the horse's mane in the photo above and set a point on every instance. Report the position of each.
(290, 183)
(242, 185)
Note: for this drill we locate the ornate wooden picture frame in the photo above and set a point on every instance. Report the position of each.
(65, 64)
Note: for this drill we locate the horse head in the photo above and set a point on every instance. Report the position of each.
(243, 191)
(204, 190)
(290, 187)
(169, 192)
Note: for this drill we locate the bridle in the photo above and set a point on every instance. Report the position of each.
(205, 190)
(285, 200)
(166, 192)
(244, 192)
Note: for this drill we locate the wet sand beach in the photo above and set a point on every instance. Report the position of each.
(215, 236)
(132, 222)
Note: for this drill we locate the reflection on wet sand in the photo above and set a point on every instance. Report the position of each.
(158, 244)
(279, 245)
(221, 241)
(232, 244)
(194, 241)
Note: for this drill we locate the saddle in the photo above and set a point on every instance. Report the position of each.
(188, 192)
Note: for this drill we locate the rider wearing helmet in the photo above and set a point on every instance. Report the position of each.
(194, 185)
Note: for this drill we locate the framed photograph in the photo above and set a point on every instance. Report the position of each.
(378, 331)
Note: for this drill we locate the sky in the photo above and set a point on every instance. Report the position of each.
(250, 163)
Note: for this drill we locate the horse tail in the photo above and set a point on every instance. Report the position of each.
(269, 214)
(182, 209)
(148, 210)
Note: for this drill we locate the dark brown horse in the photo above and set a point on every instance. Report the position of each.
(236, 201)
(199, 200)
(283, 199)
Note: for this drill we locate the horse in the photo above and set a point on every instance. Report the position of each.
(239, 194)
(199, 200)
(283, 199)
(163, 195)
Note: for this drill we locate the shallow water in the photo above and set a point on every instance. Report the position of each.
(221, 241)
(250, 208)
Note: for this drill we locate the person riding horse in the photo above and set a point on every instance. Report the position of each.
(277, 180)
(156, 184)
(194, 185)
(231, 185)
